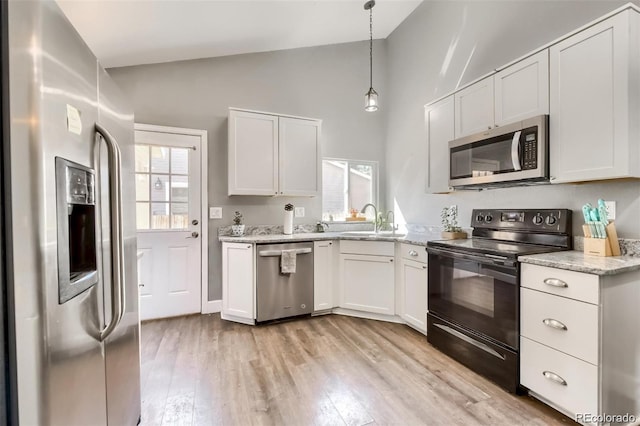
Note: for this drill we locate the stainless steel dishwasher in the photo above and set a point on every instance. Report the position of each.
(284, 295)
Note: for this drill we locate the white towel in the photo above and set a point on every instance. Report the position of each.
(288, 262)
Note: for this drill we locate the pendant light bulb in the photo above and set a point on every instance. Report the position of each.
(371, 98)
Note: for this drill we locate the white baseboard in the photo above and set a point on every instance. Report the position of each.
(211, 306)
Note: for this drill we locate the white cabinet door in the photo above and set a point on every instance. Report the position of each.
(299, 148)
(367, 283)
(439, 125)
(237, 280)
(323, 275)
(594, 97)
(414, 278)
(474, 108)
(522, 90)
(253, 153)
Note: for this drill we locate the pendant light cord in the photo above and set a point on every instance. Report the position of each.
(371, 47)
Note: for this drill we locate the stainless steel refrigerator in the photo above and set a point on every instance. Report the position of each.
(71, 283)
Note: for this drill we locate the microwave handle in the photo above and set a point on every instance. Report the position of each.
(515, 151)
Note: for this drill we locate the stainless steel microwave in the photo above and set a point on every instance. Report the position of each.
(515, 154)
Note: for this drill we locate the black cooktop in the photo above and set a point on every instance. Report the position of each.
(494, 247)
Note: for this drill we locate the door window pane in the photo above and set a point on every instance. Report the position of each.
(142, 215)
(180, 188)
(142, 187)
(142, 158)
(179, 215)
(160, 188)
(159, 159)
(160, 216)
(180, 161)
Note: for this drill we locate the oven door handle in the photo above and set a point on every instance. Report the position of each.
(487, 259)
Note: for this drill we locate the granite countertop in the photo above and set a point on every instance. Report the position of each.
(411, 238)
(578, 261)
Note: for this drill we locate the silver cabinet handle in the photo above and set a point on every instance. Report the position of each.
(424, 267)
(554, 378)
(555, 282)
(118, 301)
(550, 322)
(413, 253)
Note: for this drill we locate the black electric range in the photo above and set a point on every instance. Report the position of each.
(474, 287)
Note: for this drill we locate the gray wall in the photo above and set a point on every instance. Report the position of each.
(326, 82)
(418, 72)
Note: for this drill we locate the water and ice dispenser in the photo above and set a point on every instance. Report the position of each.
(76, 216)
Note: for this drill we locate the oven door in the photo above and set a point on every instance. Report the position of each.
(479, 293)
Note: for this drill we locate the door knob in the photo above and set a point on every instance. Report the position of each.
(194, 234)
(194, 222)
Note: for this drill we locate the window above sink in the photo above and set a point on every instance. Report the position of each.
(347, 185)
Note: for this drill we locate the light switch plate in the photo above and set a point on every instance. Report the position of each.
(611, 209)
(299, 212)
(215, 212)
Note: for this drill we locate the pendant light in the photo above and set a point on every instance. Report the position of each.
(158, 184)
(371, 98)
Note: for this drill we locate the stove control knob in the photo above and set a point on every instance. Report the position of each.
(479, 218)
(488, 218)
(537, 219)
(551, 220)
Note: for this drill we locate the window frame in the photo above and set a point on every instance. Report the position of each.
(374, 182)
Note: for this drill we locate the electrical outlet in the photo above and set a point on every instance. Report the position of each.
(215, 212)
(611, 209)
(299, 212)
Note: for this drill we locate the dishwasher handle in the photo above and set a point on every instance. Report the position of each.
(268, 253)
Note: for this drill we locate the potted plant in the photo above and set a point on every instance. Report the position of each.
(450, 228)
(237, 229)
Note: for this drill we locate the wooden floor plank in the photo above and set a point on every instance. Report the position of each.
(327, 370)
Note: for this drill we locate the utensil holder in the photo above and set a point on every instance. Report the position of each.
(288, 222)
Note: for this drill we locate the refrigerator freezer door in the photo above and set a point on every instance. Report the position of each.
(122, 351)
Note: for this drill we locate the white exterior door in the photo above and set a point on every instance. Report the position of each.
(168, 210)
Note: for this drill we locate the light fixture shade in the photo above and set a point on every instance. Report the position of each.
(371, 100)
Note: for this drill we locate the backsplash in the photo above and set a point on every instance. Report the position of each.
(303, 228)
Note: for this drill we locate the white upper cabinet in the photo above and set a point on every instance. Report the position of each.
(439, 124)
(514, 93)
(522, 89)
(595, 102)
(299, 145)
(253, 153)
(273, 155)
(474, 108)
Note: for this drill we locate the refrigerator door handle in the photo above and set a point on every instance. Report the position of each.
(117, 243)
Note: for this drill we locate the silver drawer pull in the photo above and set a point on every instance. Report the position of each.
(555, 282)
(554, 324)
(413, 253)
(554, 378)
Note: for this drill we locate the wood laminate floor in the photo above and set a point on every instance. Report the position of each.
(328, 370)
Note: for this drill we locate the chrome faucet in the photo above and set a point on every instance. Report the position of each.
(375, 215)
(391, 221)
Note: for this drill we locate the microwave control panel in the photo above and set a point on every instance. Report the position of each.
(529, 150)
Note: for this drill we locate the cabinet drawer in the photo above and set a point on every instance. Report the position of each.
(374, 248)
(578, 395)
(571, 326)
(413, 252)
(574, 285)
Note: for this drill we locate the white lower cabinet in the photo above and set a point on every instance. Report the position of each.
(578, 334)
(238, 281)
(367, 280)
(413, 278)
(323, 275)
